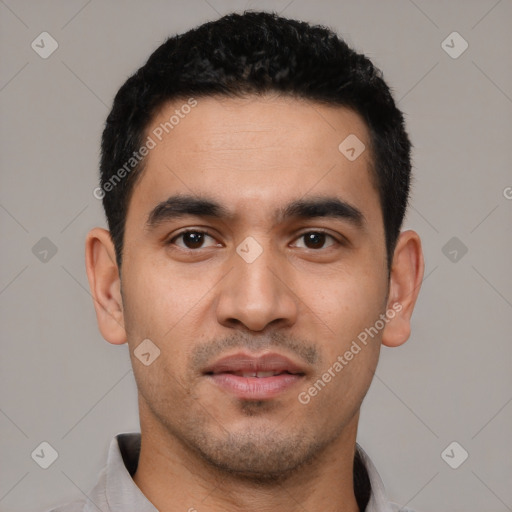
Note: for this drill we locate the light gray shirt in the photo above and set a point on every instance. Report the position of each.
(115, 490)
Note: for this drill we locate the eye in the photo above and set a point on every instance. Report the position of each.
(192, 238)
(195, 238)
(316, 239)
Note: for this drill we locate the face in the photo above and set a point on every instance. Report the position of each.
(254, 278)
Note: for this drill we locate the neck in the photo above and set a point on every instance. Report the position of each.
(175, 478)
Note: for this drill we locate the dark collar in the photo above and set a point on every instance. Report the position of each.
(129, 446)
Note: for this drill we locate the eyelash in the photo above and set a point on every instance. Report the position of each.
(205, 232)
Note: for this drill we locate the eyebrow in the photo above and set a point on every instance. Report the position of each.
(180, 205)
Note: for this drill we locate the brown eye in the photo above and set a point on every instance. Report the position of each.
(192, 239)
(316, 239)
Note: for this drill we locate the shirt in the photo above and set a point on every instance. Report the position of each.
(115, 490)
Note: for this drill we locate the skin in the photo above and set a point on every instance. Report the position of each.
(201, 447)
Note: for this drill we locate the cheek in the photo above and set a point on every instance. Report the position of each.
(165, 307)
(339, 388)
(348, 306)
(349, 354)
(347, 303)
(158, 298)
(152, 310)
(155, 310)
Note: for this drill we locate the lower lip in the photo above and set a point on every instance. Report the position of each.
(255, 388)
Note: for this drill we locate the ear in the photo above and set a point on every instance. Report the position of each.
(404, 286)
(105, 285)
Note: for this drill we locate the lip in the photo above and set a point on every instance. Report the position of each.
(243, 362)
(255, 388)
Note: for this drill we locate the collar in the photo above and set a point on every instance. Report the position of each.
(117, 489)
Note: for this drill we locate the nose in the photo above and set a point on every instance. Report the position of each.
(257, 293)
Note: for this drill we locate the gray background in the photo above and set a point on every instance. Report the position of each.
(60, 382)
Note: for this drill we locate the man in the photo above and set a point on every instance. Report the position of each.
(255, 174)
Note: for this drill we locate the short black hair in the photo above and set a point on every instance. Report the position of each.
(246, 54)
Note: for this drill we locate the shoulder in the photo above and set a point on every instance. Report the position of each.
(395, 507)
(74, 506)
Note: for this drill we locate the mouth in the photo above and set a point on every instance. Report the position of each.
(255, 378)
(259, 375)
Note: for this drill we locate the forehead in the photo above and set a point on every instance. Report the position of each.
(256, 151)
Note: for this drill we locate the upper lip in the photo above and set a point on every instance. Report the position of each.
(243, 362)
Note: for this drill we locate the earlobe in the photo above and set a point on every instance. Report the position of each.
(405, 281)
(105, 285)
